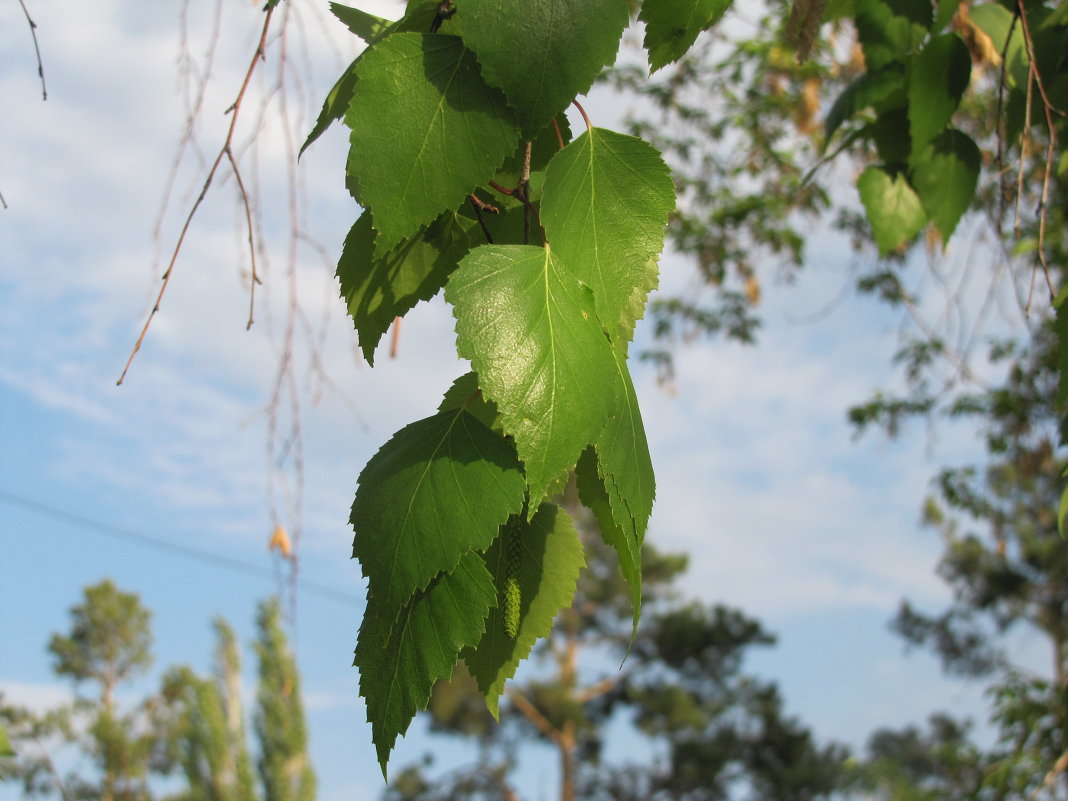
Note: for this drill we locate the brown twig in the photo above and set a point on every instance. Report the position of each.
(481, 222)
(585, 117)
(225, 151)
(194, 84)
(1047, 107)
(394, 342)
(524, 190)
(37, 50)
(255, 279)
(559, 136)
(1002, 169)
(482, 205)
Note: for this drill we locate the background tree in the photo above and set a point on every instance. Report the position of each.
(109, 644)
(284, 768)
(209, 739)
(194, 726)
(682, 686)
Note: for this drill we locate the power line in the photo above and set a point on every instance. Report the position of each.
(148, 541)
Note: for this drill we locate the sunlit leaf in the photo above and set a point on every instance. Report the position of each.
(426, 130)
(530, 330)
(437, 490)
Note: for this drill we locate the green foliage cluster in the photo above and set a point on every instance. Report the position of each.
(546, 249)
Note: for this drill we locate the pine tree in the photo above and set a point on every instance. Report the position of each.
(109, 643)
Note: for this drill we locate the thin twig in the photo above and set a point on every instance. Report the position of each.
(251, 243)
(37, 50)
(481, 222)
(2, 201)
(585, 117)
(1025, 153)
(224, 152)
(524, 187)
(559, 136)
(394, 343)
(193, 100)
(997, 123)
(1047, 107)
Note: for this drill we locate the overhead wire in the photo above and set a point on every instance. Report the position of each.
(168, 546)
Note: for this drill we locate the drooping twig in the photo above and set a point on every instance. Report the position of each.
(582, 111)
(226, 152)
(997, 117)
(37, 50)
(1047, 107)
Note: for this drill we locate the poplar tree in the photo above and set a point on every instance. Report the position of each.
(209, 738)
(284, 767)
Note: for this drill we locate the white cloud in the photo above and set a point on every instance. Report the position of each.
(37, 697)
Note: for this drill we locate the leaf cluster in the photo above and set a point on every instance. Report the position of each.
(546, 248)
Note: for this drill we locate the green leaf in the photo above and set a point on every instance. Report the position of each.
(606, 201)
(936, 84)
(426, 130)
(944, 11)
(401, 656)
(945, 174)
(531, 333)
(549, 567)
(623, 460)
(889, 30)
(996, 21)
(465, 394)
(378, 289)
(890, 132)
(5, 745)
(1060, 327)
(882, 89)
(367, 26)
(437, 490)
(541, 53)
(334, 107)
(893, 209)
(617, 532)
(672, 26)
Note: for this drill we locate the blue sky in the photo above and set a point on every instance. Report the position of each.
(759, 479)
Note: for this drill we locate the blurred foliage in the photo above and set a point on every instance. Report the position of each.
(192, 728)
